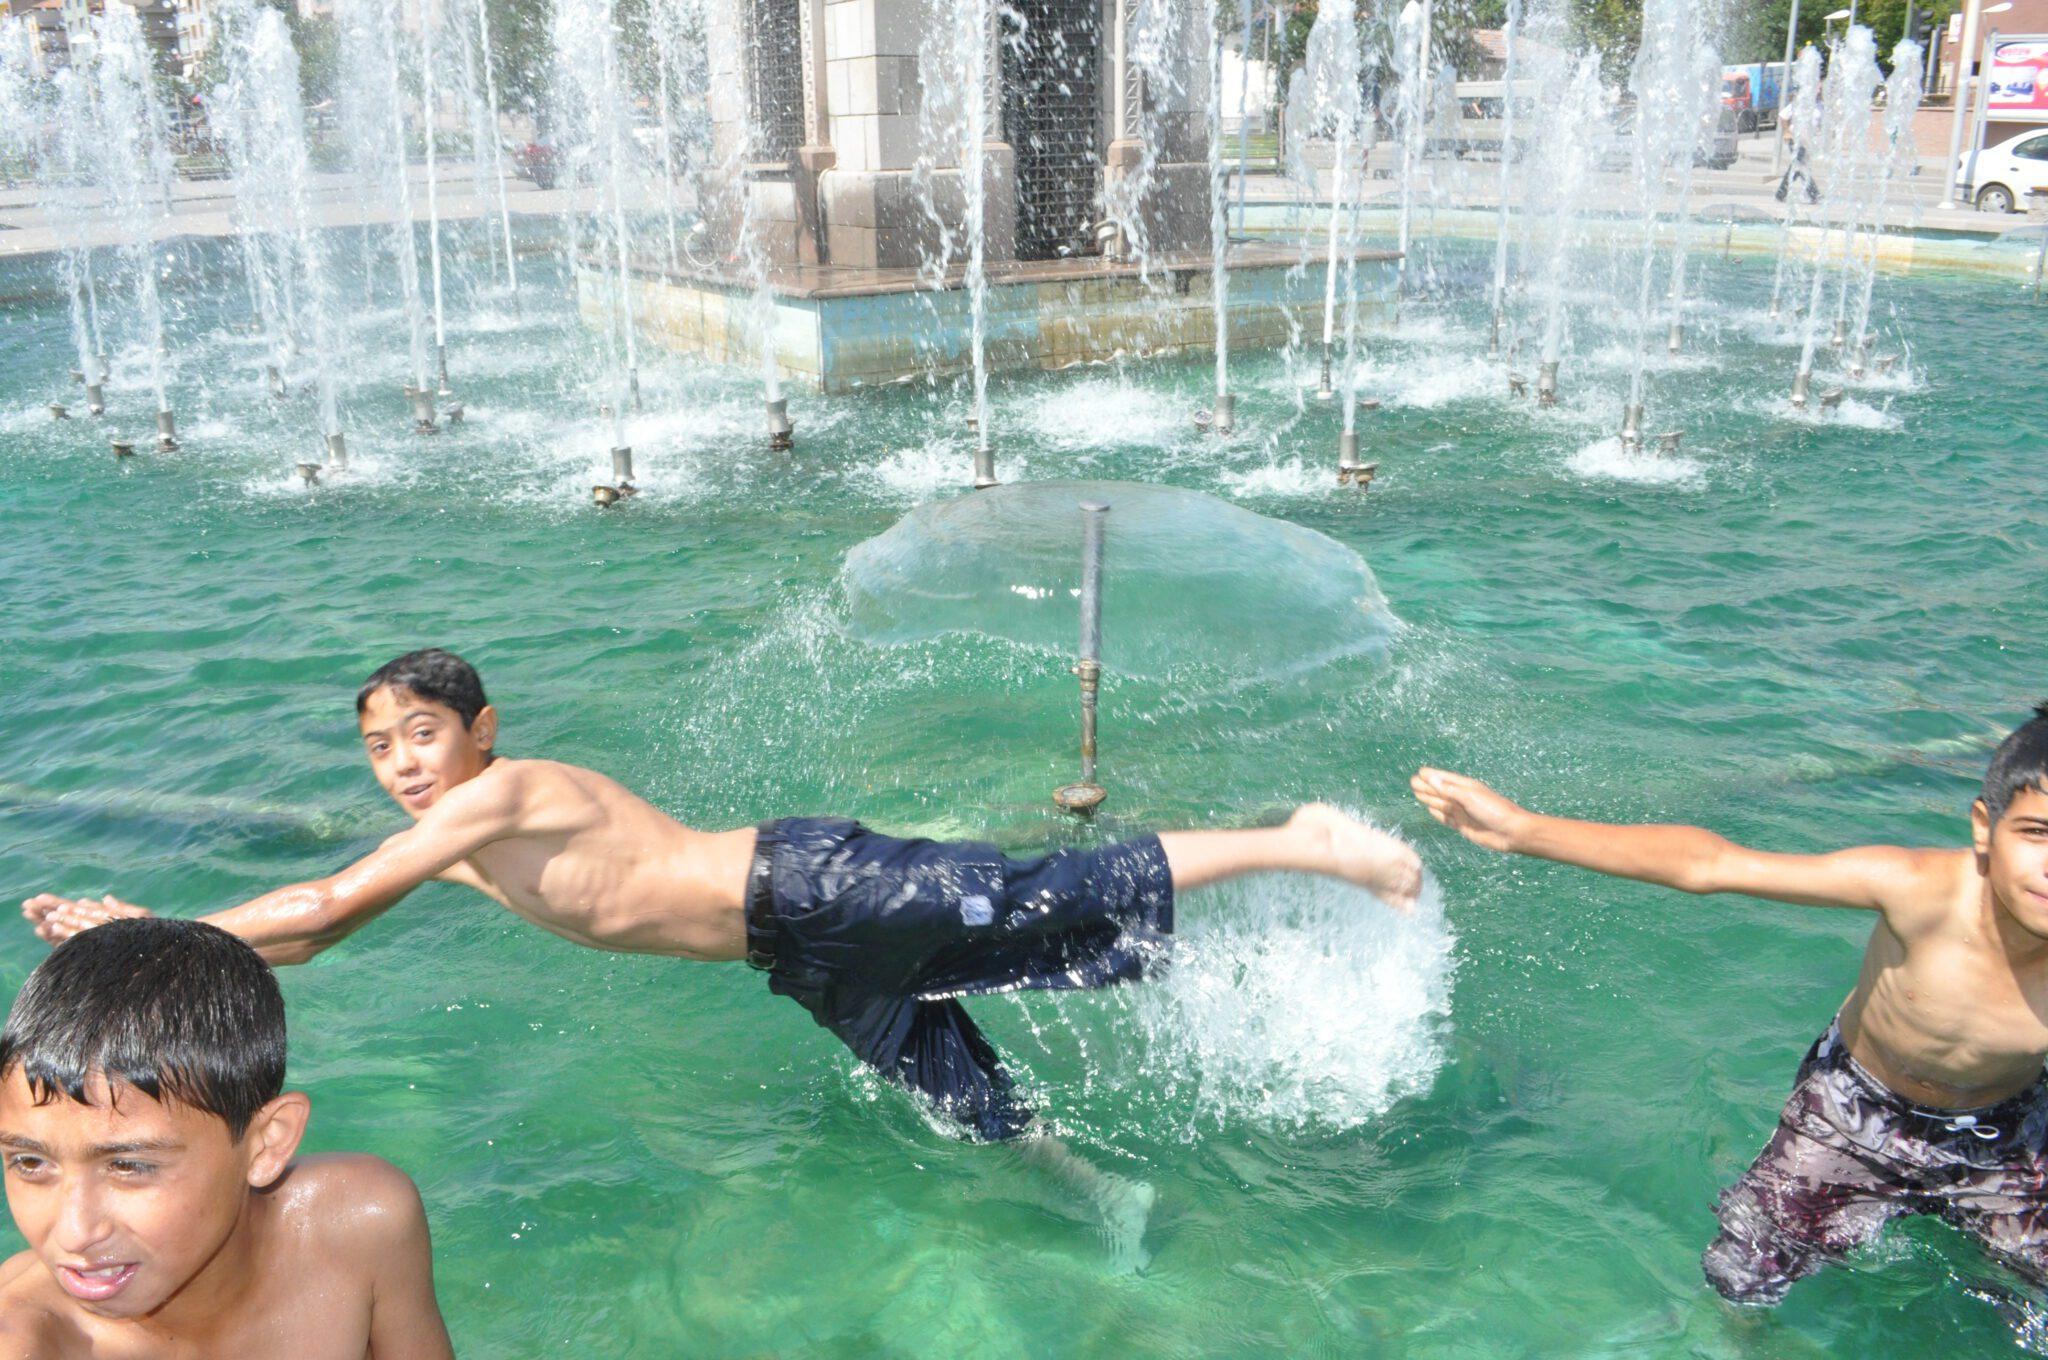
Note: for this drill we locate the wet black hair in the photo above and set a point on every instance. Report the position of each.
(180, 1010)
(433, 674)
(2021, 762)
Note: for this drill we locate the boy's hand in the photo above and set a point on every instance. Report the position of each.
(56, 919)
(1469, 808)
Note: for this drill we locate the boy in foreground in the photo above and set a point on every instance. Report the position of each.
(876, 937)
(149, 1162)
(1926, 1094)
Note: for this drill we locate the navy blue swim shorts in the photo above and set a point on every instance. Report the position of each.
(878, 938)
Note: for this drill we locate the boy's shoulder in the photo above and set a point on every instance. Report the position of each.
(349, 1205)
(1926, 887)
(31, 1325)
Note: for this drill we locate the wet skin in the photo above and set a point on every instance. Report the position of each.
(1951, 1007)
(578, 854)
(153, 1233)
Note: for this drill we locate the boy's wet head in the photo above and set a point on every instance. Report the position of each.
(141, 1079)
(2011, 822)
(426, 726)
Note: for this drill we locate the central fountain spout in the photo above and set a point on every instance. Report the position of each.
(781, 434)
(166, 431)
(1546, 383)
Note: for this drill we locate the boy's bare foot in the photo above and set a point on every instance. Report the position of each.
(1356, 853)
(1126, 1207)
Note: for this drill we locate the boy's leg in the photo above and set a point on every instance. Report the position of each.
(2001, 1198)
(1836, 1169)
(1317, 839)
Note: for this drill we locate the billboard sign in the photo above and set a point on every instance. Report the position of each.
(2019, 77)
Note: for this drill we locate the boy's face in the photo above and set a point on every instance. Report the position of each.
(420, 749)
(2015, 856)
(128, 1199)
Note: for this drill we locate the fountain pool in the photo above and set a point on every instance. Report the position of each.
(1496, 1130)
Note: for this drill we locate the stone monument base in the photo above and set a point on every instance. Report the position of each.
(835, 329)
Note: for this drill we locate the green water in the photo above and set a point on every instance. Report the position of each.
(1800, 636)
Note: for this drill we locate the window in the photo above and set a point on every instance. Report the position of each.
(2033, 149)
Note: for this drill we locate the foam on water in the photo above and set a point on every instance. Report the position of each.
(1856, 415)
(1103, 411)
(1293, 478)
(1606, 459)
(1403, 381)
(934, 469)
(1295, 1003)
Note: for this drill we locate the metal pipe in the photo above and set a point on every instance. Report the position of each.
(1084, 796)
(1983, 115)
(1802, 388)
(984, 464)
(337, 452)
(96, 397)
(781, 434)
(622, 464)
(166, 432)
(1784, 91)
(1966, 58)
(1546, 383)
(1224, 416)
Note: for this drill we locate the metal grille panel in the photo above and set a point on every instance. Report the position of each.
(775, 72)
(1052, 63)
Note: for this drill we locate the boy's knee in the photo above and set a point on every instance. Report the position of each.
(1749, 1272)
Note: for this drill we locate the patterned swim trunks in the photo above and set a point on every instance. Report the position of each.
(1850, 1154)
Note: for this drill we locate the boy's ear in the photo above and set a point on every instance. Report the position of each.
(485, 727)
(1980, 828)
(274, 1136)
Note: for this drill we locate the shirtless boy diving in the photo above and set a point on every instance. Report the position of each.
(876, 937)
(1926, 1094)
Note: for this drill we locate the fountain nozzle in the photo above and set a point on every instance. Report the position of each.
(622, 466)
(984, 466)
(58, 411)
(1674, 340)
(123, 448)
(78, 376)
(1324, 391)
(1222, 419)
(337, 452)
(309, 473)
(1802, 388)
(166, 432)
(1348, 465)
(1840, 335)
(1632, 427)
(781, 434)
(1546, 383)
(441, 371)
(95, 399)
(1831, 399)
(422, 400)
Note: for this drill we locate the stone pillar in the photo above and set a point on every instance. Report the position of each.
(874, 88)
(1156, 169)
(816, 155)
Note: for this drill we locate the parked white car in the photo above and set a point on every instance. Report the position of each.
(2007, 171)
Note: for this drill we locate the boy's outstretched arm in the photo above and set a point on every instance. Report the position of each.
(292, 924)
(1687, 858)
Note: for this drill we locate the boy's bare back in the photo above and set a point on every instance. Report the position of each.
(342, 1271)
